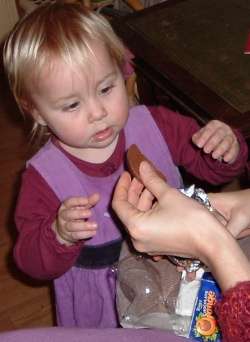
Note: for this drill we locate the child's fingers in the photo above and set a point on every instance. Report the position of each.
(93, 200)
(81, 201)
(76, 213)
(227, 149)
(78, 230)
(83, 234)
(73, 231)
(202, 136)
(210, 135)
(80, 225)
(231, 155)
(216, 141)
(75, 202)
(224, 146)
(221, 145)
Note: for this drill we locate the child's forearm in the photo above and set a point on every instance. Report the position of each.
(38, 253)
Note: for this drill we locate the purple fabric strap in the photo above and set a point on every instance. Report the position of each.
(60, 173)
(143, 131)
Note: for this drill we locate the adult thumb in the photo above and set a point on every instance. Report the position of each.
(152, 180)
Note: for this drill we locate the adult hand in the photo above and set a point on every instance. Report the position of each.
(178, 225)
(164, 228)
(234, 206)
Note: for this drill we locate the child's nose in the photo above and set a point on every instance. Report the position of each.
(96, 112)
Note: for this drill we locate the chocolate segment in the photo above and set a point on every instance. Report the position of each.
(134, 159)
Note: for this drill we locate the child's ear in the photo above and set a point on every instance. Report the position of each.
(24, 105)
(38, 118)
(30, 108)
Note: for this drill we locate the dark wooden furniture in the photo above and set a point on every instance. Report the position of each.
(192, 52)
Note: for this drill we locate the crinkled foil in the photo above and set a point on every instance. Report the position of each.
(192, 265)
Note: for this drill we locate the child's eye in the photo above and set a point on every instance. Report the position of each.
(106, 90)
(72, 106)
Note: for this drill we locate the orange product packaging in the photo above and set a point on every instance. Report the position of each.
(203, 325)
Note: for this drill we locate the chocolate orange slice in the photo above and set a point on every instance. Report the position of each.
(134, 159)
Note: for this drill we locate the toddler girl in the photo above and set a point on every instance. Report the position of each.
(64, 66)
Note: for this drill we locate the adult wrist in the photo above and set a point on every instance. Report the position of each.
(209, 238)
(227, 262)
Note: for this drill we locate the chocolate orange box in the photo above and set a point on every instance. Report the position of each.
(203, 325)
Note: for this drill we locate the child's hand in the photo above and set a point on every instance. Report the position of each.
(72, 222)
(218, 139)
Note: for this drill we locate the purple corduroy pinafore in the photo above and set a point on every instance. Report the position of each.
(85, 297)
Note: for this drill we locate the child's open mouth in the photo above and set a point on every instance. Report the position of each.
(103, 135)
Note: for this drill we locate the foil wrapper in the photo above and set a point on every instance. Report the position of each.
(192, 265)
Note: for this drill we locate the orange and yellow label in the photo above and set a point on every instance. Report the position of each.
(203, 325)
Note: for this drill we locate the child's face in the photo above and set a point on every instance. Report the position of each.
(85, 109)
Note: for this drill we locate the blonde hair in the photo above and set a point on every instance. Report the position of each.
(56, 30)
